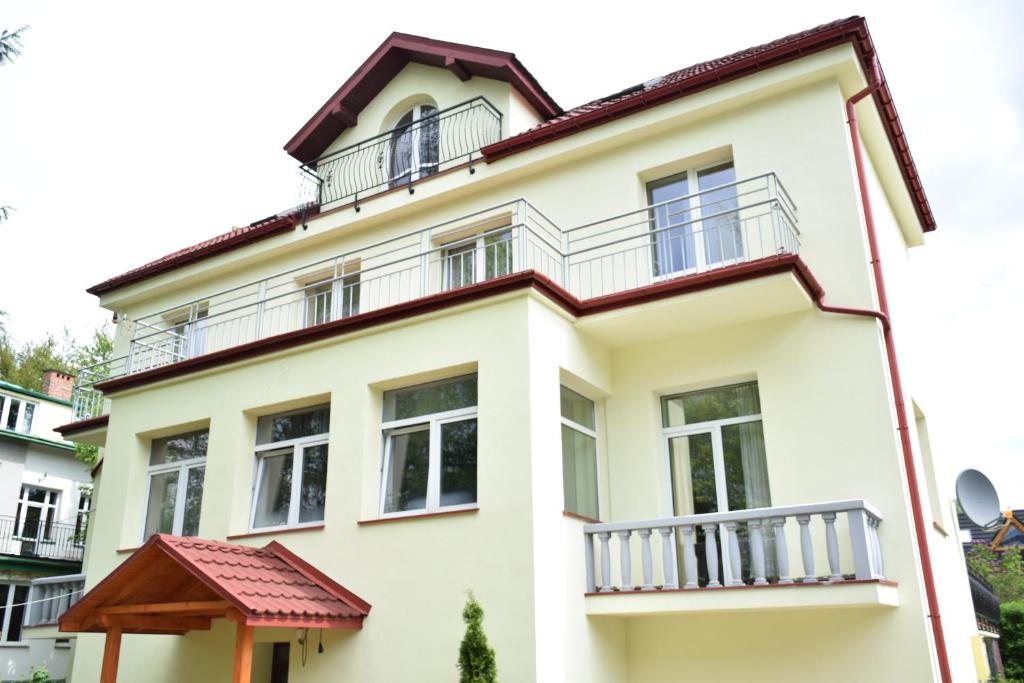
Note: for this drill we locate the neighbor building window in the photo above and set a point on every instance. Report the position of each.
(291, 468)
(12, 611)
(36, 514)
(478, 258)
(430, 439)
(16, 414)
(694, 220)
(82, 516)
(579, 454)
(177, 467)
(414, 145)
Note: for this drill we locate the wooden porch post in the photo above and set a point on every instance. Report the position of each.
(111, 653)
(243, 654)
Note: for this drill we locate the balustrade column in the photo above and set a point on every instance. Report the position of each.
(756, 552)
(690, 557)
(711, 554)
(668, 557)
(606, 561)
(781, 550)
(860, 543)
(648, 562)
(734, 576)
(832, 545)
(625, 559)
(879, 557)
(588, 561)
(806, 549)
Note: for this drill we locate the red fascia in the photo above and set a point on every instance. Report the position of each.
(854, 31)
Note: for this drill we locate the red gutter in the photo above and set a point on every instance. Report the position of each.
(875, 84)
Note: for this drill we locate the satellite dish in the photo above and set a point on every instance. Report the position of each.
(978, 498)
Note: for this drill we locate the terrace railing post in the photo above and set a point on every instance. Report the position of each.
(625, 560)
(734, 577)
(648, 561)
(668, 557)
(606, 561)
(832, 545)
(757, 551)
(588, 561)
(689, 557)
(781, 551)
(806, 549)
(711, 554)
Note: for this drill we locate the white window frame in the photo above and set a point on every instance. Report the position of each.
(697, 219)
(298, 447)
(479, 250)
(184, 467)
(19, 421)
(5, 625)
(433, 422)
(51, 507)
(335, 288)
(592, 433)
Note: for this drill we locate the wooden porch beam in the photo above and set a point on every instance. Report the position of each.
(135, 622)
(243, 654)
(111, 654)
(218, 607)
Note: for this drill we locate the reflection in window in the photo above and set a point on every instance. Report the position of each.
(177, 468)
(579, 454)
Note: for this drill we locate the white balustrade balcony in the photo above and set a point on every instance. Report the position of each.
(740, 222)
(50, 597)
(822, 544)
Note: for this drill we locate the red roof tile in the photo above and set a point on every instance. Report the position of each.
(268, 586)
(716, 71)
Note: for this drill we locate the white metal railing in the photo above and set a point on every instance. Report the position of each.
(50, 597)
(736, 548)
(737, 222)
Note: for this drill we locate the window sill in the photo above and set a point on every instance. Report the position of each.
(20, 644)
(277, 530)
(425, 515)
(582, 518)
(125, 551)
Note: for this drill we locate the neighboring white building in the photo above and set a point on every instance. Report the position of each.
(45, 496)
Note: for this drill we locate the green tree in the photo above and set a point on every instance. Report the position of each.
(1004, 571)
(10, 44)
(1011, 638)
(476, 658)
(24, 364)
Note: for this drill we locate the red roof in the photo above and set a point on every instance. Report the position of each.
(399, 49)
(268, 586)
(234, 238)
(716, 71)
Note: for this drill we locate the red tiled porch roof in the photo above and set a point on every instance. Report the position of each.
(269, 586)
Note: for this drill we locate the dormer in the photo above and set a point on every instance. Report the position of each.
(414, 108)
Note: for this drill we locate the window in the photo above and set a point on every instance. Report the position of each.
(488, 255)
(579, 454)
(430, 436)
(331, 299)
(414, 145)
(16, 414)
(82, 516)
(291, 468)
(694, 220)
(187, 333)
(177, 467)
(716, 452)
(12, 611)
(35, 516)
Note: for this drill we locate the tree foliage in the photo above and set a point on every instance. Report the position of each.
(24, 364)
(476, 658)
(10, 44)
(1004, 571)
(1011, 638)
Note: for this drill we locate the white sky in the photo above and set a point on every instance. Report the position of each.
(131, 129)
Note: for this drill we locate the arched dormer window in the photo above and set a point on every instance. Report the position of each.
(414, 145)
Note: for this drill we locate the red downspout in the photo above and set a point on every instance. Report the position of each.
(920, 529)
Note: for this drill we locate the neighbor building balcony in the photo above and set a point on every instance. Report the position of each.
(32, 535)
(50, 597)
(822, 555)
(730, 228)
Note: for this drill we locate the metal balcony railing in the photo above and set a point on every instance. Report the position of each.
(50, 597)
(745, 547)
(399, 156)
(744, 221)
(34, 537)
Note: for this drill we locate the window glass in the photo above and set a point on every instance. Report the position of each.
(181, 447)
(293, 424)
(27, 413)
(579, 409)
(671, 222)
(458, 463)
(12, 414)
(408, 471)
(579, 472)
(273, 498)
(433, 397)
(163, 494)
(723, 237)
(705, 405)
(314, 484)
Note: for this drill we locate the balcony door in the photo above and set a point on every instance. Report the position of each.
(478, 258)
(36, 514)
(414, 145)
(716, 463)
(694, 221)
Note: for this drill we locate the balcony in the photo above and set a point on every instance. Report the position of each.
(398, 157)
(36, 539)
(719, 230)
(823, 555)
(50, 597)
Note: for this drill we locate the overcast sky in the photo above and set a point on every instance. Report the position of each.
(129, 130)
